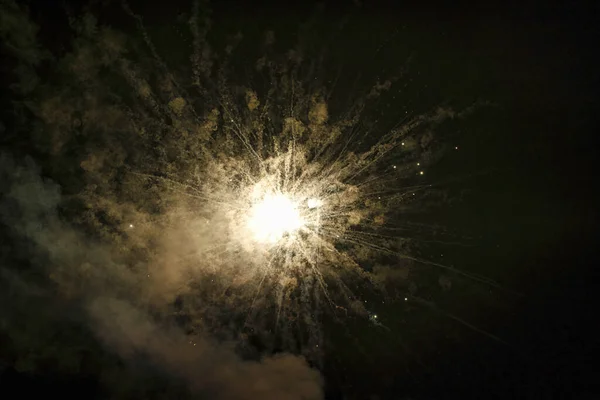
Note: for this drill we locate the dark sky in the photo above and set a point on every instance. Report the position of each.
(528, 192)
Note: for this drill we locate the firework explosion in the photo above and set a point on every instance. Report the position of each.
(262, 204)
(234, 208)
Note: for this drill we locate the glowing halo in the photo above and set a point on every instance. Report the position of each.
(274, 216)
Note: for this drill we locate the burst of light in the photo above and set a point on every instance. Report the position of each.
(274, 216)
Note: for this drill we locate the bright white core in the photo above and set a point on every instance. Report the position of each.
(273, 217)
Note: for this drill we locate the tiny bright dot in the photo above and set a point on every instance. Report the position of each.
(131, 225)
(406, 299)
(418, 163)
(394, 167)
(421, 173)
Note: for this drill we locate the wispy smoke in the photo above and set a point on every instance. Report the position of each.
(88, 271)
(210, 368)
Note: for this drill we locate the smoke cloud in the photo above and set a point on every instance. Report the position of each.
(92, 273)
(211, 369)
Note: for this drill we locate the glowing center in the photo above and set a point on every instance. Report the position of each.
(273, 217)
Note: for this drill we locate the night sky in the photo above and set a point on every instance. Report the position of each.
(519, 202)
